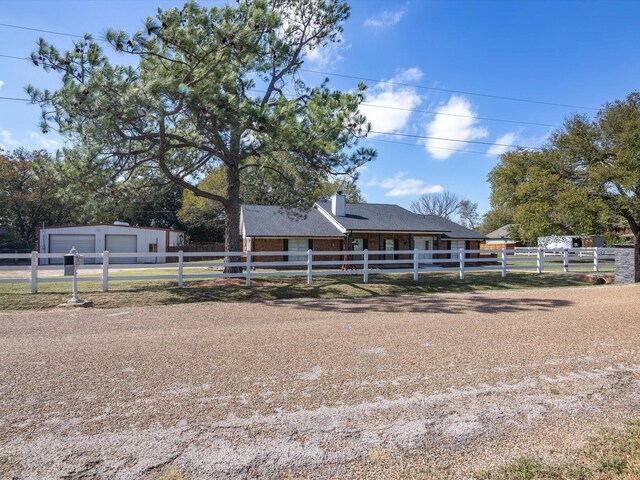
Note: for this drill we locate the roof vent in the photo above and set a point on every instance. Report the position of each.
(121, 224)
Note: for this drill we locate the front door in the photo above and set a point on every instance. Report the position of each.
(423, 243)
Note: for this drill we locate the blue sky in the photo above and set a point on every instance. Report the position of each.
(574, 53)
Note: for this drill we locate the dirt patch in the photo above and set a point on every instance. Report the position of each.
(316, 389)
(594, 278)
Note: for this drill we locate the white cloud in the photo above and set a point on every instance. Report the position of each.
(464, 127)
(1, 84)
(499, 148)
(516, 138)
(32, 141)
(44, 142)
(326, 56)
(388, 105)
(7, 141)
(400, 186)
(385, 19)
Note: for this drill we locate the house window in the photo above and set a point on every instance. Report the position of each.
(391, 244)
(456, 245)
(298, 245)
(358, 244)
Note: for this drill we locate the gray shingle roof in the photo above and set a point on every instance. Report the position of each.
(270, 221)
(393, 218)
(380, 217)
(502, 232)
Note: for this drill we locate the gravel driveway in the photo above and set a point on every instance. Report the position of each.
(348, 389)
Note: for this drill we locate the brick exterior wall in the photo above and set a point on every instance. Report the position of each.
(327, 245)
(267, 245)
(374, 242)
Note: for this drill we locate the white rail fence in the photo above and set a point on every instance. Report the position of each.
(251, 265)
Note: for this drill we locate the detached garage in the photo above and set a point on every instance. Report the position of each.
(117, 238)
(63, 242)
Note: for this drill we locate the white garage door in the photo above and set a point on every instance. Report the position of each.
(62, 243)
(122, 244)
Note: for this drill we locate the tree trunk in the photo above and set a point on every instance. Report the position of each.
(232, 236)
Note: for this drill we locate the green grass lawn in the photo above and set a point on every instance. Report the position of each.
(604, 266)
(130, 293)
(614, 454)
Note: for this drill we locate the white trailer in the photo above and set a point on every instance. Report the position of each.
(560, 242)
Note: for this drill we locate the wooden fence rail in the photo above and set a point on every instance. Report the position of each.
(365, 263)
(307, 264)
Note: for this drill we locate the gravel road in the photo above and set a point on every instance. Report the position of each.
(323, 388)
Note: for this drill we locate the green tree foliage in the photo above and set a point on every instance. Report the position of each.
(346, 185)
(539, 187)
(201, 213)
(605, 153)
(205, 88)
(33, 193)
(495, 219)
(584, 181)
(135, 204)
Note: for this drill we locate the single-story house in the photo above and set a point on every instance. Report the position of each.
(119, 237)
(340, 226)
(501, 238)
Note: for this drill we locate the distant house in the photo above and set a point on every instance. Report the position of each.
(338, 226)
(501, 238)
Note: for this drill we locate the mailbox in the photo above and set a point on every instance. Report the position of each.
(69, 264)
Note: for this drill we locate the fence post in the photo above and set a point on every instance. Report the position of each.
(461, 257)
(105, 271)
(309, 266)
(34, 272)
(365, 261)
(248, 267)
(595, 259)
(540, 260)
(416, 265)
(503, 259)
(180, 267)
(565, 260)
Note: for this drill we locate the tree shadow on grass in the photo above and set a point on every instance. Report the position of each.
(333, 289)
(325, 289)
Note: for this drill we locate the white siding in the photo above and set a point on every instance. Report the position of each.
(147, 239)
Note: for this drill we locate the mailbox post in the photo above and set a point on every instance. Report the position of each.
(72, 261)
